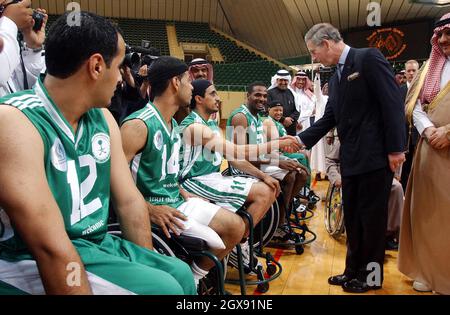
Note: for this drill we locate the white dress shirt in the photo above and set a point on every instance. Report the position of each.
(421, 120)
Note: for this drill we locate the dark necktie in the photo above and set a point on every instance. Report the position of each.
(339, 70)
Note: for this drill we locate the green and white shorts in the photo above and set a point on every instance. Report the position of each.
(274, 171)
(228, 192)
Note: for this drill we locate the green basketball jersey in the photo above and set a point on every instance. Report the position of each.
(255, 131)
(77, 167)
(197, 160)
(281, 130)
(156, 168)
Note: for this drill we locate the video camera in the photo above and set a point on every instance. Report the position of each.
(136, 57)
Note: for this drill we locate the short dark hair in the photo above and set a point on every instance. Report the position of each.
(251, 87)
(161, 71)
(200, 86)
(68, 47)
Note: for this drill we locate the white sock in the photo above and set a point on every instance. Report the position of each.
(198, 273)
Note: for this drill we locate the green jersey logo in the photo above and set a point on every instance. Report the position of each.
(158, 140)
(58, 156)
(101, 148)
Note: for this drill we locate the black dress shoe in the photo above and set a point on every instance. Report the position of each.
(338, 280)
(356, 286)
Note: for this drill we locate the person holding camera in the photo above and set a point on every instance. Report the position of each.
(22, 61)
(125, 89)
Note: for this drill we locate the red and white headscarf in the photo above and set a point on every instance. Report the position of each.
(308, 84)
(437, 60)
(200, 63)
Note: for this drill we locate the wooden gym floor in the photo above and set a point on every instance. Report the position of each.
(307, 274)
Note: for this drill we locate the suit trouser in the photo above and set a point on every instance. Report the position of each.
(365, 198)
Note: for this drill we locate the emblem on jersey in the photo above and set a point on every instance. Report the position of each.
(58, 156)
(253, 128)
(101, 147)
(158, 140)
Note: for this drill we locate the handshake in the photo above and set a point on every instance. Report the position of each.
(290, 144)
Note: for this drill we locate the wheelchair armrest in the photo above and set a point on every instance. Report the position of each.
(189, 243)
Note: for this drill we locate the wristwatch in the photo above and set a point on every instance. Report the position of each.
(35, 50)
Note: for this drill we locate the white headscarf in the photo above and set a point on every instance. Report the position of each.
(200, 62)
(306, 88)
(281, 74)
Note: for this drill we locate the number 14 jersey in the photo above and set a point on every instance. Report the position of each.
(155, 169)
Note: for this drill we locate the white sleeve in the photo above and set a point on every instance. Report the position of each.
(421, 120)
(34, 61)
(34, 64)
(306, 107)
(9, 57)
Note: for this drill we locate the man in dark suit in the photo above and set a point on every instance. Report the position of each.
(365, 105)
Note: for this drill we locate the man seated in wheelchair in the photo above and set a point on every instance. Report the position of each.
(58, 170)
(245, 126)
(202, 154)
(396, 197)
(274, 127)
(152, 143)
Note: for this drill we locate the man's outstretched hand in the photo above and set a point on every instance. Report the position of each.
(290, 144)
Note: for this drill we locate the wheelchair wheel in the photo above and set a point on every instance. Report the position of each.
(271, 269)
(299, 249)
(161, 247)
(334, 212)
(268, 225)
(263, 287)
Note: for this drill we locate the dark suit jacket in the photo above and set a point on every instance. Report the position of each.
(367, 110)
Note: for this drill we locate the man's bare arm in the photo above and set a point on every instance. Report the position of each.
(198, 134)
(28, 201)
(130, 205)
(134, 137)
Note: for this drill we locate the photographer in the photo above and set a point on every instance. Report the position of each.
(135, 100)
(22, 61)
(144, 89)
(126, 89)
